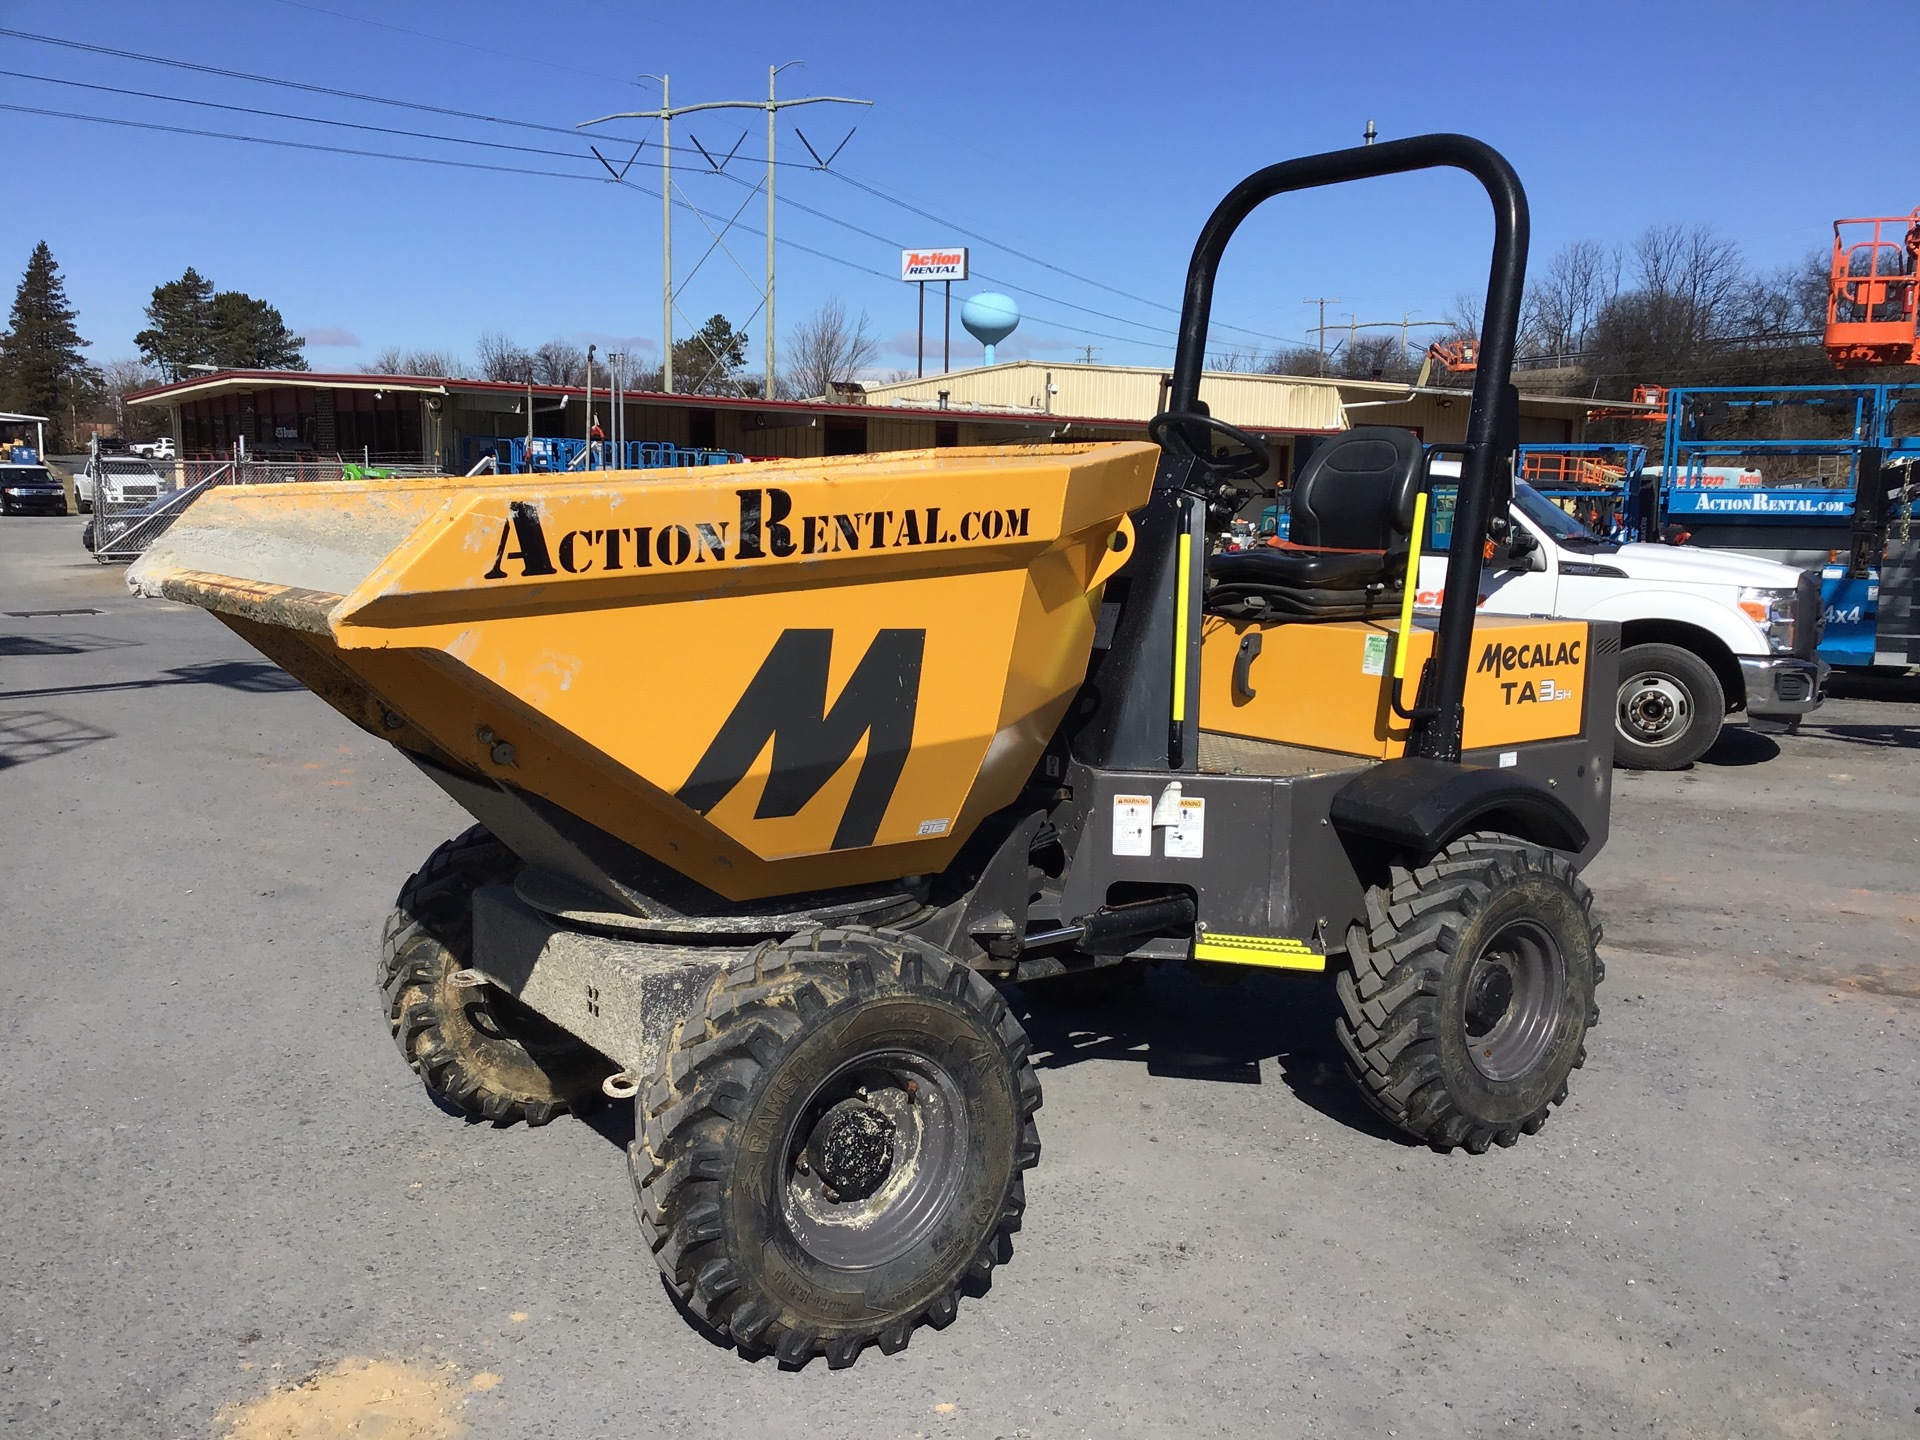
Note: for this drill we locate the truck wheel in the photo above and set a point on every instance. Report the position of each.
(1669, 710)
(837, 1145)
(475, 1047)
(1470, 990)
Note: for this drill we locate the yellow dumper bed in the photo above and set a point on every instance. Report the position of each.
(689, 663)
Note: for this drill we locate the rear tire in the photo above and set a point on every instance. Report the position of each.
(1669, 708)
(1469, 992)
(475, 1047)
(837, 1145)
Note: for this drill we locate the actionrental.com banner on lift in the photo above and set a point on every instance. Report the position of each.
(1784, 504)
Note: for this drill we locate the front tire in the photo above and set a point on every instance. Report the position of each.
(1469, 992)
(837, 1145)
(475, 1047)
(1668, 710)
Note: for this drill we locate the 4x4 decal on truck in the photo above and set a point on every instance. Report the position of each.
(786, 702)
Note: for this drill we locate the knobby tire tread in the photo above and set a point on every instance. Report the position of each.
(678, 1157)
(433, 918)
(1389, 993)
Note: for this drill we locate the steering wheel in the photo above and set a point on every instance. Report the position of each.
(1171, 430)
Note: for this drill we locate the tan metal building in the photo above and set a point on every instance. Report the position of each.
(449, 423)
(1269, 405)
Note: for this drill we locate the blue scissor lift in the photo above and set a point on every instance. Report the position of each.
(1852, 517)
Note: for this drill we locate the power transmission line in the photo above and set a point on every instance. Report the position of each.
(361, 97)
(591, 179)
(288, 115)
(519, 57)
(1036, 260)
(297, 144)
(528, 150)
(310, 89)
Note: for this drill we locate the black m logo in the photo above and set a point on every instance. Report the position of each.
(786, 702)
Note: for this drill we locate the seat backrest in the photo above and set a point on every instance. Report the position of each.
(1356, 491)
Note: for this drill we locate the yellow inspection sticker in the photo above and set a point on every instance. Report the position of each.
(1279, 952)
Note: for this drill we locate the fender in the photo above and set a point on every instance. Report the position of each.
(1421, 805)
(1652, 600)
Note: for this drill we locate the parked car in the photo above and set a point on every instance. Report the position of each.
(161, 449)
(30, 489)
(117, 481)
(1703, 633)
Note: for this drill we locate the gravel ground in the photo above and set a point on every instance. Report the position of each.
(220, 1178)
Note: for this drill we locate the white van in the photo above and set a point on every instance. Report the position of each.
(1703, 633)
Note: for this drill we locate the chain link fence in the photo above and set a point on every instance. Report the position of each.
(135, 501)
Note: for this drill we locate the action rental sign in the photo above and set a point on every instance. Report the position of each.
(922, 265)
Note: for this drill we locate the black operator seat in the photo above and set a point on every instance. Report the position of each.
(1351, 527)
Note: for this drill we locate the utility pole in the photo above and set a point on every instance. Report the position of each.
(665, 116)
(1407, 322)
(1087, 352)
(1320, 330)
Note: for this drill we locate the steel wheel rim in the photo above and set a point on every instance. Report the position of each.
(1654, 709)
(1515, 991)
(925, 1138)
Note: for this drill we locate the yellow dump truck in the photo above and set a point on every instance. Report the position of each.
(783, 771)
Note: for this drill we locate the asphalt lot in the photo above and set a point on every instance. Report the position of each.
(221, 1178)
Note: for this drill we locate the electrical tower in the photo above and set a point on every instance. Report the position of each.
(665, 115)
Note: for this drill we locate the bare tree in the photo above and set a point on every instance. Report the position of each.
(827, 349)
(393, 360)
(1374, 357)
(1691, 277)
(1294, 360)
(1568, 296)
(118, 379)
(1691, 295)
(503, 358)
(559, 362)
(1465, 315)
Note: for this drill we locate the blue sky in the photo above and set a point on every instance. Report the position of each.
(1092, 137)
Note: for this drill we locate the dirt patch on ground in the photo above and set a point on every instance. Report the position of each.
(358, 1400)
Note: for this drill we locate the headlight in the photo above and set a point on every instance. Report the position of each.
(1773, 611)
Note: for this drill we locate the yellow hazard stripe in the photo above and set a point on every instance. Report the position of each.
(1279, 952)
(1412, 587)
(1180, 629)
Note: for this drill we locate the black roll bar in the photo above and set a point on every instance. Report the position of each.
(1437, 734)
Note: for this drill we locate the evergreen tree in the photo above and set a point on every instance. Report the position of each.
(248, 334)
(192, 325)
(180, 332)
(42, 371)
(708, 362)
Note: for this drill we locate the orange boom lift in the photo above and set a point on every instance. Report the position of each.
(1872, 291)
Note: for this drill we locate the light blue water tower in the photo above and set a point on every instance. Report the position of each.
(990, 319)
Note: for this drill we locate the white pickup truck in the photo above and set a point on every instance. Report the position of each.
(1703, 633)
(117, 482)
(161, 449)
